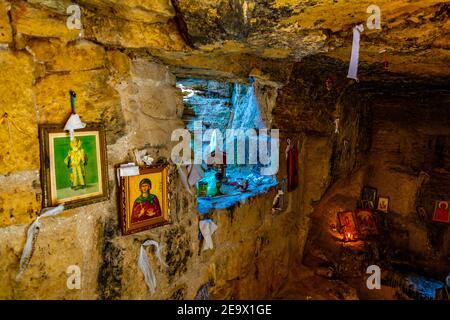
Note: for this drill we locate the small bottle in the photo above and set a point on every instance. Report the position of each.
(202, 188)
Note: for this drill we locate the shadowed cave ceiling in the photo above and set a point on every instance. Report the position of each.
(231, 39)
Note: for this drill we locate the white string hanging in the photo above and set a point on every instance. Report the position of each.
(32, 234)
(145, 266)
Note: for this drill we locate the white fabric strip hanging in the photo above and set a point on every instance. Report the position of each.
(336, 125)
(288, 147)
(145, 266)
(196, 173)
(207, 228)
(353, 67)
(73, 124)
(184, 179)
(31, 234)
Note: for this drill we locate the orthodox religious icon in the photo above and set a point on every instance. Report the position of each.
(366, 204)
(147, 204)
(369, 194)
(73, 171)
(76, 162)
(442, 212)
(144, 199)
(347, 225)
(383, 204)
(365, 222)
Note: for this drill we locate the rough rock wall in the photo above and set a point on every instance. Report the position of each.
(254, 249)
(352, 135)
(136, 98)
(397, 142)
(227, 38)
(41, 60)
(305, 111)
(408, 162)
(391, 134)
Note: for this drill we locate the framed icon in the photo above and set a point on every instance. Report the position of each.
(73, 171)
(383, 204)
(144, 199)
(347, 226)
(441, 212)
(365, 222)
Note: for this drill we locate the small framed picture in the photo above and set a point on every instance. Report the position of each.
(73, 172)
(365, 222)
(383, 204)
(365, 204)
(347, 225)
(441, 212)
(144, 199)
(369, 194)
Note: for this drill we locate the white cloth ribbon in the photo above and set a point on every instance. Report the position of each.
(74, 123)
(277, 197)
(288, 147)
(193, 175)
(196, 173)
(31, 234)
(142, 157)
(276, 204)
(147, 160)
(353, 67)
(207, 228)
(184, 180)
(145, 266)
(336, 125)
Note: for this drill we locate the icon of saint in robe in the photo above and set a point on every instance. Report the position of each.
(146, 205)
(76, 162)
(441, 213)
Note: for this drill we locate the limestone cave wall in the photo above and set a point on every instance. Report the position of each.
(135, 97)
(402, 152)
(251, 243)
(390, 134)
(390, 131)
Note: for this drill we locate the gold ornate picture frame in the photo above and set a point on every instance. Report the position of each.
(144, 199)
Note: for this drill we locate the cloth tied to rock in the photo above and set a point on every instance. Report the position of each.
(145, 265)
(353, 67)
(32, 232)
(207, 228)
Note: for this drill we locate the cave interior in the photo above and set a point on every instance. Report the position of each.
(348, 181)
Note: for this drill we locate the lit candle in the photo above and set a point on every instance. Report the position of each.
(348, 236)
